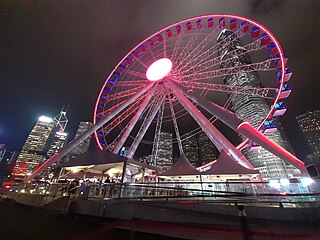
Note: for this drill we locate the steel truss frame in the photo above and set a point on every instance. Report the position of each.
(176, 129)
(199, 61)
(154, 108)
(208, 39)
(250, 91)
(259, 66)
(134, 120)
(155, 146)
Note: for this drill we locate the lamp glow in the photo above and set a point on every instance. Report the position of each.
(274, 183)
(284, 182)
(45, 119)
(159, 69)
(306, 181)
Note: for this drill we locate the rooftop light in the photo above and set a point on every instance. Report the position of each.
(45, 119)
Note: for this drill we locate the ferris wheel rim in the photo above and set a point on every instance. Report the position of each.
(274, 40)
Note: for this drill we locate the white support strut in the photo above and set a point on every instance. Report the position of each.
(216, 137)
(176, 129)
(145, 125)
(68, 148)
(134, 120)
(244, 128)
(155, 145)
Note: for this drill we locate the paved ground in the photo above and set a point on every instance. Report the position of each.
(23, 222)
(18, 222)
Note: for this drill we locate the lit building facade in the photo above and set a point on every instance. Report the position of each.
(199, 149)
(254, 109)
(57, 142)
(83, 146)
(165, 151)
(191, 149)
(145, 159)
(59, 139)
(207, 151)
(309, 124)
(3, 150)
(34, 151)
(7, 160)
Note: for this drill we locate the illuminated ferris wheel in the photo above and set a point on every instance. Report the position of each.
(190, 77)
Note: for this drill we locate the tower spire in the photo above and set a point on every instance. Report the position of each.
(61, 119)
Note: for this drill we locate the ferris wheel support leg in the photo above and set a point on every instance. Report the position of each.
(144, 127)
(68, 148)
(257, 137)
(134, 120)
(227, 117)
(216, 137)
(231, 120)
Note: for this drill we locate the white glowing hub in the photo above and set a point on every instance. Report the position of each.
(159, 69)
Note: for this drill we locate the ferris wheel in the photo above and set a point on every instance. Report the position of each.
(187, 76)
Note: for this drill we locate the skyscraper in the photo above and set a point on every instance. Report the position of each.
(199, 149)
(34, 151)
(59, 139)
(82, 147)
(3, 150)
(255, 109)
(7, 160)
(309, 124)
(207, 151)
(191, 149)
(165, 151)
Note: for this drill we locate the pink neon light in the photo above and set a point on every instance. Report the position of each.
(276, 42)
(247, 130)
(159, 69)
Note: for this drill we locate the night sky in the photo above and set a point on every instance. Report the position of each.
(59, 52)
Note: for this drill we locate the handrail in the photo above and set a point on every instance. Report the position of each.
(168, 190)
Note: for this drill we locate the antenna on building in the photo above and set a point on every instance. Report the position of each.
(61, 119)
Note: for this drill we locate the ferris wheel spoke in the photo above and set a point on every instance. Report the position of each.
(123, 116)
(134, 120)
(189, 55)
(122, 94)
(195, 53)
(185, 50)
(112, 145)
(136, 74)
(268, 93)
(132, 83)
(109, 110)
(176, 48)
(266, 65)
(145, 125)
(200, 64)
(140, 62)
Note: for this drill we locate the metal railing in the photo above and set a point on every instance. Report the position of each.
(182, 191)
(217, 192)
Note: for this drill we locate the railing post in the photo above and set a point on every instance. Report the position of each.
(122, 176)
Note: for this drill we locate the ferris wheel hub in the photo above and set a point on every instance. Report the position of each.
(159, 69)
